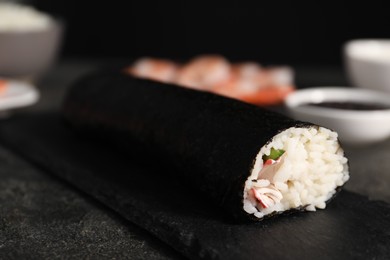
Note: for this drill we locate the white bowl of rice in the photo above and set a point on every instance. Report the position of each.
(29, 40)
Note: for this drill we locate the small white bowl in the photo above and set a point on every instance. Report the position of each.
(353, 126)
(367, 63)
(29, 40)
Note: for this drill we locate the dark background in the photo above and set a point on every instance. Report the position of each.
(292, 32)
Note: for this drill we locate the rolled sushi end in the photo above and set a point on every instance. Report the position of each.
(309, 167)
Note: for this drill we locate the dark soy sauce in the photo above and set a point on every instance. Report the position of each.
(350, 105)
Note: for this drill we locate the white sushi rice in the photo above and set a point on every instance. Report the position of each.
(313, 167)
(20, 18)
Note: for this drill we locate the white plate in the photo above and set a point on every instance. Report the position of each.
(18, 94)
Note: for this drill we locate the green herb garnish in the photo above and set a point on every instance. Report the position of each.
(274, 155)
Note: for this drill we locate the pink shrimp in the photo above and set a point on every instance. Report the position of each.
(204, 72)
(156, 69)
(267, 196)
(270, 195)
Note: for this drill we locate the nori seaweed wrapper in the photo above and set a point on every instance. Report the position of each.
(211, 141)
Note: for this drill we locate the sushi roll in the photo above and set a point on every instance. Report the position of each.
(299, 168)
(249, 161)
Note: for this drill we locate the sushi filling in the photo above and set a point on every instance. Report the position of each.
(299, 168)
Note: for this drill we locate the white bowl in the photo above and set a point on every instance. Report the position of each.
(368, 63)
(29, 53)
(353, 126)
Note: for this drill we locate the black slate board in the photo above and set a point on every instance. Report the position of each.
(350, 227)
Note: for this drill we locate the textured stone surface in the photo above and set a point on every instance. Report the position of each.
(43, 218)
(370, 170)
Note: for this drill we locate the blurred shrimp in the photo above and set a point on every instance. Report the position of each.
(246, 70)
(281, 75)
(3, 85)
(249, 77)
(155, 69)
(252, 84)
(245, 78)
(204, 72)
(271, 95)
(246, 81)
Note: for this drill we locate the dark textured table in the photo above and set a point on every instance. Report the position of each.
(42, 217)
